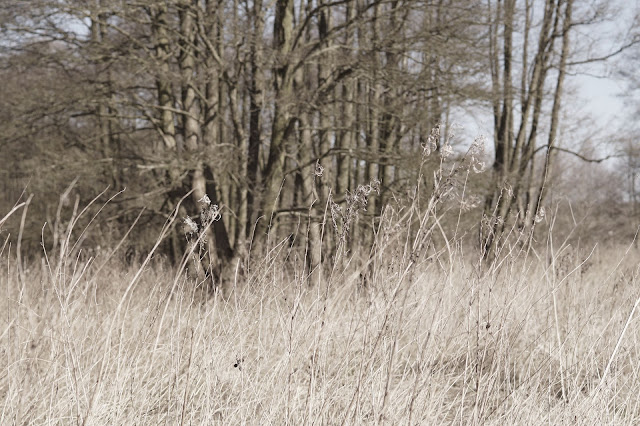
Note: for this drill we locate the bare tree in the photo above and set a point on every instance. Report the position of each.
(251, 101)
(518, 185)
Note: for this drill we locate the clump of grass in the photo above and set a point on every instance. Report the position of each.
(356, 202)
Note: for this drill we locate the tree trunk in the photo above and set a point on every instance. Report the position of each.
(256, 94)
(555, 112)
(282, 117)
(513, 168)
(163, 84)
(310, 200)
(347, 91)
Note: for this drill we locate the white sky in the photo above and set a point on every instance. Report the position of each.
(602, 98)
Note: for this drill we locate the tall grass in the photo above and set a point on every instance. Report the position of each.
(410, 333)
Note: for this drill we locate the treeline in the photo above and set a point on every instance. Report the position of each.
(276, 109)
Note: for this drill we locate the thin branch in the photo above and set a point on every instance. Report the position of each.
(576, 154)
(607, 56)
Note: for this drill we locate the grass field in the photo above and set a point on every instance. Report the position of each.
(537, 337)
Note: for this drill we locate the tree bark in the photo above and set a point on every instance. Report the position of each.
(256, 96)
(163, 84)
(282, 117)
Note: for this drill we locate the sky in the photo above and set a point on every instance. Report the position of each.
(600, 86)
(603, 98)
(603, 101)
(599, 89)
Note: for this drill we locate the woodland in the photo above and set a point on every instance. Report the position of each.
(303, 120)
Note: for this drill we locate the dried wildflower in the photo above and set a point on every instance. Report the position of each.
(508, 188)
(211, 214)
(476, 151)
(490, 222)
(374, 186)
(540, 215)
(446, 150)
(477, 147)
(356, 201)
(478, 167)
(432, 141)
(336, 213)
(205, 200)
(190, 225)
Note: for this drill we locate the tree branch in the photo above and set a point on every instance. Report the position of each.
(576, 154)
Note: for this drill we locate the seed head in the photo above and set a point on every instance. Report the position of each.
(190, 225)
(205, 200)
(540, 215)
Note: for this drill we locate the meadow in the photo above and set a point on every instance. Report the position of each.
(541, 334)
(294, 226)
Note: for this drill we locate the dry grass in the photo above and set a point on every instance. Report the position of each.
(407, 334)
(525, 342)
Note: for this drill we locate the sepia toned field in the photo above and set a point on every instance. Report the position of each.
(350, 212)
(537, 336)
